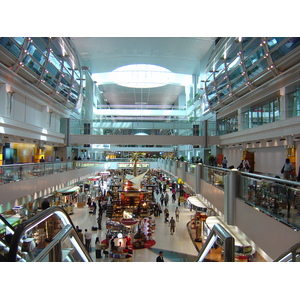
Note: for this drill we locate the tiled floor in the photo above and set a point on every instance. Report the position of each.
(177, 247)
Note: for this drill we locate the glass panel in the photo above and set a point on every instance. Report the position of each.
(257, 69)
(232, 64)
(211, 92)
(256, 116)
(251, 47)
(52, 70)
(33, 65)
(239, 82)
(56, 53)
(284, 49)
(54, 61)
(232, 51)
(40, 44)
(50, 79)
(276, 199)
(62, 90)
(227, 125)
(223, 92)
(19, 40)
(251, 60)
(10, 46)
(276, 110)
(246, 41)
(77, 76)
(35, 53)
(274, 41)
(235, 73)
(265, 113)
(220, 77)
(293, 103)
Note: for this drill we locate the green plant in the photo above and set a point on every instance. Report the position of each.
(211, 160)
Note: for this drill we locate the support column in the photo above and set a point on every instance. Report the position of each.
(184, 170)
(205, 133)
(230, 196)
(197, 178)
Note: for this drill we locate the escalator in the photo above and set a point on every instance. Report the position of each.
(47, 237)
(228, 242)
(218, 232)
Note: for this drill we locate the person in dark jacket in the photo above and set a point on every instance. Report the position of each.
(160, 258)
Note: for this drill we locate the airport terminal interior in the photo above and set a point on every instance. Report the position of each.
(129, 149)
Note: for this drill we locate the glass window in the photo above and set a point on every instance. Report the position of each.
(211, 92)
(293, 103)
(11, 46)
(52, 70)
(245, 41)
(252, 59)
(257, 69)
(238, 82)
(19, 40)
(77, 76)
(237, 72)
(223, 92)
(34, 52)
(265, 113)
(274, 41)
(41, 45)
(233, 63)
(54, 61)
(227, 124)
(32, 65)
(251, 47)
(284, 49)
(50, 79)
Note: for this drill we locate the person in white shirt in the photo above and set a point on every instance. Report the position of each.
(88, 238)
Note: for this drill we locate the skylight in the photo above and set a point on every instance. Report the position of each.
(142, 76)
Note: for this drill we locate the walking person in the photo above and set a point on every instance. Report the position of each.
(166, 212)
(88, 238)
(287, 169)
(172, 225)
(224, 163)
(162, 198)
(160, 258)
(166, 198)
(98, 247)
(173, 197)
(80, 234)
(177, 214)
(99, 221)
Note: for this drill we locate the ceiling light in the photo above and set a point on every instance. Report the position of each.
(142, 76)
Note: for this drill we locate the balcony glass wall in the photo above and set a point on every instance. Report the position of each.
(246, 60)
(48, 60)
(265, 113)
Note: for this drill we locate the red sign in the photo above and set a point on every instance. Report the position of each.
(129, 222)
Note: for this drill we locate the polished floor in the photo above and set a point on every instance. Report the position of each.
(178, 247)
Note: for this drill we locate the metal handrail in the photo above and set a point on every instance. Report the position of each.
(34, 221)
(218, 231)
(290, 254)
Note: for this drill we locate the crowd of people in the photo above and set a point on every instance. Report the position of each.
(164, 189)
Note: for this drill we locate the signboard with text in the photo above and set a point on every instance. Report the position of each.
(130, 165)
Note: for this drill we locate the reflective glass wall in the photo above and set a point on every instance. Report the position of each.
(48, 63)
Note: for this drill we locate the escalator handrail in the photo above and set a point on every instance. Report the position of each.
(291, 250)
(66, 231)
(219, 231)
(7, 223)
(35, 220)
